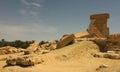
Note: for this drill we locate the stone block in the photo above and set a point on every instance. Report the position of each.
(100, 16)
(66, 40)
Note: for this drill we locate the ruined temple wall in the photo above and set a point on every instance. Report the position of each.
(91, 27)
(97, 16)
(114, 38)
(98, 25)
(106, 32)
(101, 24)
(113, 42)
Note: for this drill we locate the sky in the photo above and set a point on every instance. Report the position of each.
(50, 19)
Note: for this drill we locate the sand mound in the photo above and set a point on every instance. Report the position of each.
(84, 48)
(75, 51)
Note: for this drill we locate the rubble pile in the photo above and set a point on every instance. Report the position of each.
(108, 54)
(49, 45)
(9, 50)
(41, 49)
(26, 60)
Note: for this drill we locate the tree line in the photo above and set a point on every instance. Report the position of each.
(19, 43)
(16, 43)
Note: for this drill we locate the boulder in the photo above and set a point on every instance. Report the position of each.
(108, 54)
(66, 40)
(8, 50)
(11, 61)
(32, 48)
(26, 60)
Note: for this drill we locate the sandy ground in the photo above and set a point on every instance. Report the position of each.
(73, 58)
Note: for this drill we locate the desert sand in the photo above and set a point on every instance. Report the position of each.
(73, 58)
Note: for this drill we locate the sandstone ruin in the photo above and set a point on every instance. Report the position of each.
(96, 35)
(97, 29)
(98, 26)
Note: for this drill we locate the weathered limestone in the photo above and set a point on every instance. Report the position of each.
(108, 54)
(97, 29)
(66, 40)
(32, 48)
(81, 34)
(9, 50)
(99, 16)
(98, 26)
(114, 38)
(26, 60)
(113, 42)
(49, 45)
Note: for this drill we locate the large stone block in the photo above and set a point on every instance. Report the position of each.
(66, 40)
(100, 16)
(81, 34)
(32, 48)
(98, 26)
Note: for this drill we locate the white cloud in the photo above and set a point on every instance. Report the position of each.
(30, 9)
(25, 2)
(35, 29)
(25, 32)
(36, 4)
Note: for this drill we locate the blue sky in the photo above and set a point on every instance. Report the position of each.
(50, 19)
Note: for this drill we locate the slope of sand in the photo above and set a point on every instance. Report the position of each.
(72, 58)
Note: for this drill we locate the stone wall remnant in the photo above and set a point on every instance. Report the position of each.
(98, 26)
